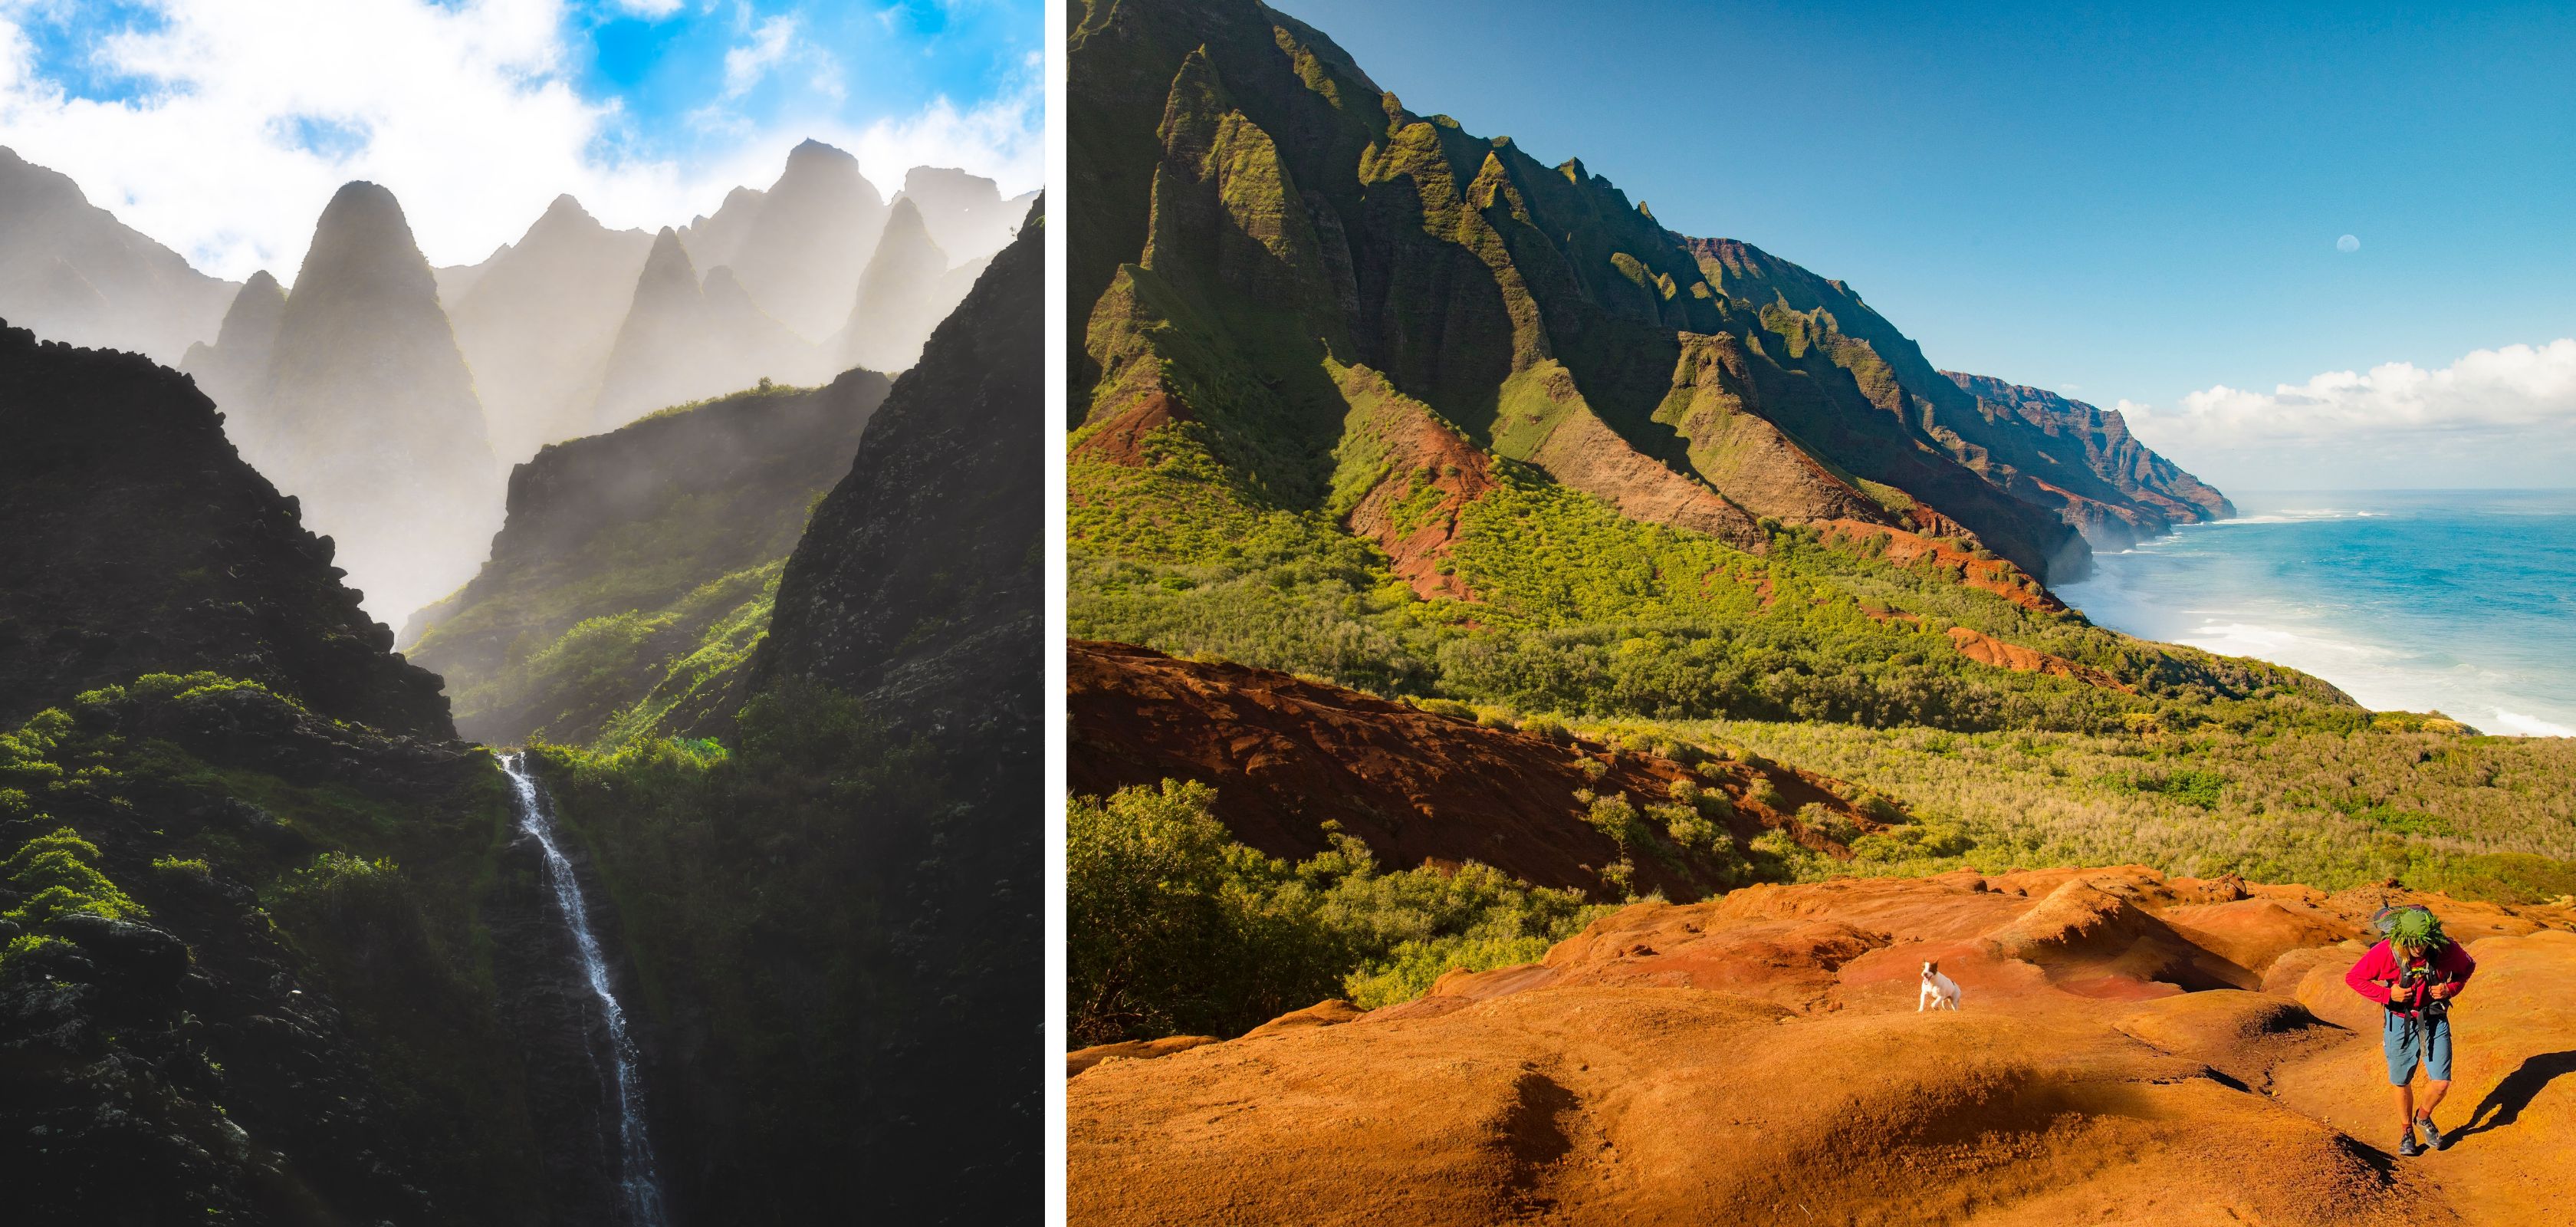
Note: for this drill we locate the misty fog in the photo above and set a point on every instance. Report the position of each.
(393, 398)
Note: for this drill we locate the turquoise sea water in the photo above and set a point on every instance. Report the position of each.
(2461, 601)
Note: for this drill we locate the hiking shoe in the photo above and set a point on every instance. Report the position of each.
(2406, 1147)
(2433, 1139)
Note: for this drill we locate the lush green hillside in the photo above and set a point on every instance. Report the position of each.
(636, 569)
(1365, 396)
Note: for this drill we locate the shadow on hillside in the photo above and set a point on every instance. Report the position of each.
(2505, 1103)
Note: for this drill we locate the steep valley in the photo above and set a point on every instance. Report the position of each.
(281, 948)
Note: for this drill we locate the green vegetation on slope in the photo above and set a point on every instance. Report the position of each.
(773, 892)
(638, 568)
(1174, 928)
(1581, 610)
(314, 848)
(2480, 817)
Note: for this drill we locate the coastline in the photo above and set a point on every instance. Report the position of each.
(2407, 600)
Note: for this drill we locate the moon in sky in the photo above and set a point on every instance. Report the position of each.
(2347, 244)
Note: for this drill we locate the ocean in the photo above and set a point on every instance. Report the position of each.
(2457, 601)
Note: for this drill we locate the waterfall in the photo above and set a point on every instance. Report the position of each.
(637, 1177)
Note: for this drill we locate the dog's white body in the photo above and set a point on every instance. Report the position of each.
(1940, 992)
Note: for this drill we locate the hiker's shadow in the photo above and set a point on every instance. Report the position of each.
(2506, 1102)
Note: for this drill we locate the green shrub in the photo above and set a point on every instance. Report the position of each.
(58, 873)
(175, 867)
(1548, 727)
(1766, 795)
(1687, 827)
(1450, 708)
(1878, 809)
(1615, 816)
(1174, 928)
(1831, 823)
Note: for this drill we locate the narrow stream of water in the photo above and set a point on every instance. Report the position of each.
(638, 1178)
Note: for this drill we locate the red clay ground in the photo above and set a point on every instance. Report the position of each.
(1757, 1057)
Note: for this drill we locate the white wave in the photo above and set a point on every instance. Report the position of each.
(2528, 726)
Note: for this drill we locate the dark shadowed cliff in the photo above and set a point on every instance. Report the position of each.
(917, 583)
(140, 542)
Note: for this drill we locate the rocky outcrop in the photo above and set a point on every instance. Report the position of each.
(1288, 756)
(2099, 1045)
(636, 521)
(234, 368)
(2100, 477)
(140, 542)
(1985, 649)
(904, 294)
(69, 271)
(683, 340)
(1419, 474)
(537, 323)
(368, 413)
(799, 247)
(929, 605)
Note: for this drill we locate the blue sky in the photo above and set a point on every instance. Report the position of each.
(2136, 203)
(882, 58)
(220, 128)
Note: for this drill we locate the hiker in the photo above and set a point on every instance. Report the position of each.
(2413, 975)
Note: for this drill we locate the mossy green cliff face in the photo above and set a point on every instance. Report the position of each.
(267, 951)
(636, 569)
(1257, 203)
(1361, 394)
(2072, 441)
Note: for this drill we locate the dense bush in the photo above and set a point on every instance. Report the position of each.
(1176, 929)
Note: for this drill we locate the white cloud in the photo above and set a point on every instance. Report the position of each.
(466, 110)
(648, 8)
(1004, 139)
(2497, 417)
(749, 64)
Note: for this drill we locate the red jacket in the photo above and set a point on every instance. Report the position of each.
(2377, 972)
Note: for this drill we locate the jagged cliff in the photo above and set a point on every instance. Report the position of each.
(928, 604)
(1257, 207)
(2080, 448)
(69, 271)
(537, 322)
(244, 867)
(141, 543)
(852, 1038)
(683, 339)
(367, 411)
(1330, 350)
(636, 567)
